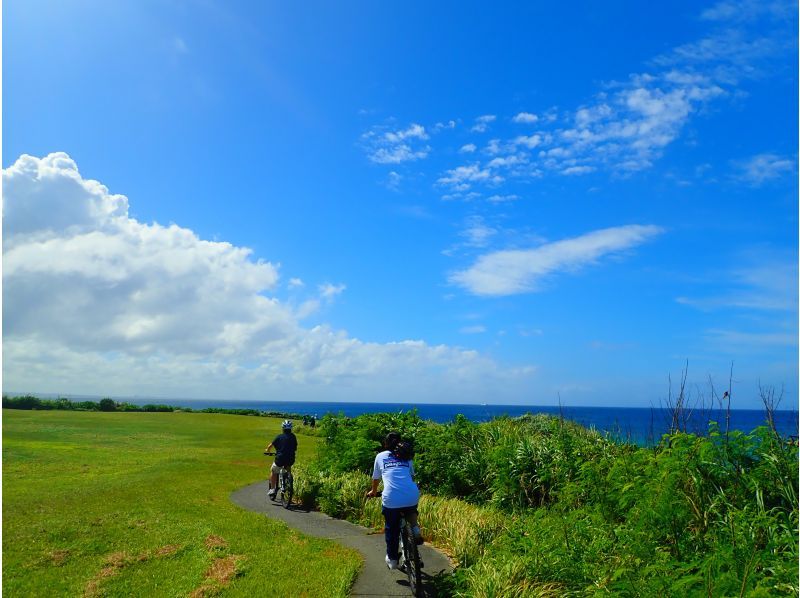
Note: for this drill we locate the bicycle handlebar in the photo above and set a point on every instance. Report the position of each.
(268, 453)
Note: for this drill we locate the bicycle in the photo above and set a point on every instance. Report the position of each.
(285, 485)
(409, 557)
(409, 561)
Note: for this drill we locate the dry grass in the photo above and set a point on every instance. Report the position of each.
(215, 542)
(218, 576)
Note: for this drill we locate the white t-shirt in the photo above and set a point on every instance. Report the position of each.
(399, 488)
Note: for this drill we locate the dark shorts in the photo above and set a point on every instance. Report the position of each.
(391, 511)
(283, 461)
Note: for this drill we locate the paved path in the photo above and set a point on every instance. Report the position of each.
(375, 578)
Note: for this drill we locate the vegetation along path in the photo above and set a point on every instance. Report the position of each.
(375, 578)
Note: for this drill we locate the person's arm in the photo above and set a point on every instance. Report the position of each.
(374, 490)
(376, 478)
(266, 450)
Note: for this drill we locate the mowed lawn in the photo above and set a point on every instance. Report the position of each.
(136, 504)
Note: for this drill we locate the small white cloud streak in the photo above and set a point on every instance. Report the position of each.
(512, 272)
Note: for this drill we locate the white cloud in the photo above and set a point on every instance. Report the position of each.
(482, 123)
(393, 180)
(462, 177)
(397, 154)
(512, 272)
(329, 291)
(525, 117)
(477, 233)
(468, 148)
(295, 283)
(578, 170)
(493, 147)
(745, 10)
(395, 147)
(415, 131)
(764, 167)
(502, 198)
(530, 141)
(96, 302)
(451, 124)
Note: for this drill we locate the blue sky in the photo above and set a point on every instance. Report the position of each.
(414, 203)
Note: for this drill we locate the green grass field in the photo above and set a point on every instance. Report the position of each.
(136, 504)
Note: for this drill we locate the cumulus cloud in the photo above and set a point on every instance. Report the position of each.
(97, 302)
(511, 272)
(468, 148)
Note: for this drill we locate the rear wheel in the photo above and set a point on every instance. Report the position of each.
(413, 566)
(286, 489)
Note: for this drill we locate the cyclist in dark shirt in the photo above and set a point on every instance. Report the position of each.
(285, 445)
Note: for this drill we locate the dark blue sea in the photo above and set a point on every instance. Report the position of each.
(632, 424)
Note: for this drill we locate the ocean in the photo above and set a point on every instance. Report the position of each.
(633, 424)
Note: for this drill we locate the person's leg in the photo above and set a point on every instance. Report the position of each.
(411, 517)
(273, 479)
(391, 532)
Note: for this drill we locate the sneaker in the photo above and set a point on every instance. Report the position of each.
(272, 494)
(417, 535)
(391, 563)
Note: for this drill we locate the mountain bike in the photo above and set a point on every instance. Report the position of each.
(285, 485)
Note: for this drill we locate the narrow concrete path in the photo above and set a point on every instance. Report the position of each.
(375, 578)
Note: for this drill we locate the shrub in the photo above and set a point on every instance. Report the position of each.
(108, 405)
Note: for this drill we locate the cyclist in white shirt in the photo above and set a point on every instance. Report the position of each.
(400, 493)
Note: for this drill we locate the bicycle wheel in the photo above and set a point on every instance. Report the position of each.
(288, 490)
(413, 564)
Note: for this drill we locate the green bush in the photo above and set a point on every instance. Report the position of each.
(562, 510)
(108, 405)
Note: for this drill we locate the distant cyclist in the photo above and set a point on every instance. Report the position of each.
(285, 445)
(400, 493)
